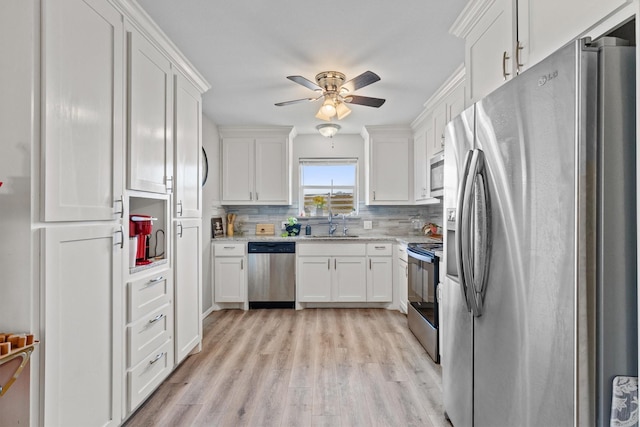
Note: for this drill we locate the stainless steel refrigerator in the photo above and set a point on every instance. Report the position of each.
(539, 301)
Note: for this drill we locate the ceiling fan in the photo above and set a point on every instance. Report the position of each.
(336, 93)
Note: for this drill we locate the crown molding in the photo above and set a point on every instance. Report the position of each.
(469, 17)
(138, 17)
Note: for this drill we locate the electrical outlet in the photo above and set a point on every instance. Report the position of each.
(283, 225)
(368, 225)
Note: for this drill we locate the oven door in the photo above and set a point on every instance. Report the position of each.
(422, 286)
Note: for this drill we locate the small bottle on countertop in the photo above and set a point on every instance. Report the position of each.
(307, 230)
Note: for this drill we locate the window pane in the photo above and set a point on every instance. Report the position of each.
(324, 174)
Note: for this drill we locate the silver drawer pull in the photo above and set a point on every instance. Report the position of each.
(155, 319)
(157, 279)
(229, 247)
(379, 247)
(158, 357)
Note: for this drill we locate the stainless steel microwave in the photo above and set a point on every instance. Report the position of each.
(436, 175)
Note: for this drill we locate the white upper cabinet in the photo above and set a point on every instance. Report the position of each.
(428, 130)
(505, 37)
(150, 117)
(256, 166)
(187, 149)
(82, 120)
(490, 33)
(389, 168)
(544, 26)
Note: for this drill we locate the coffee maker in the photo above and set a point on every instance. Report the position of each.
(141, 226)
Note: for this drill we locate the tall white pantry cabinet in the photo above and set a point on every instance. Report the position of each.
(82, 177)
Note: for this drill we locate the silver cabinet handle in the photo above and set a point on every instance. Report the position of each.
(121, 231)
(169, 184)
(121, 201)
(369, 263)
(335, 264)
(156, 280)
(442, 140)
(519, 64)
(406, 271)
(505, 58)
(250, 195)
(242, 264)
(155, 359)
(257, 196)
(179, 225)
(374, 194)
(179, 212)
(155, 319)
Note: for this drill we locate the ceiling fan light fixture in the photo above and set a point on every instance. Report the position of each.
(342, 110)
(322, 116)
(328, 130)
(328, 107)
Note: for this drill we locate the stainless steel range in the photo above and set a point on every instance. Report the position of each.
(422, 312)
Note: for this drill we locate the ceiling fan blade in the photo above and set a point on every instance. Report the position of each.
(364, 79)
(304, 82)
(295, 101)
(364, 100)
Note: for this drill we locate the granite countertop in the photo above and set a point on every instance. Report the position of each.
(414, 238)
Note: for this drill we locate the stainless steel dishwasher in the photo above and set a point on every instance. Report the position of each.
(272, 274)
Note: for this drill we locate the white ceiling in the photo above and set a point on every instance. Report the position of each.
(246, 48)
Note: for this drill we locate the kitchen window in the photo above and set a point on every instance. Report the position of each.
(328, 185)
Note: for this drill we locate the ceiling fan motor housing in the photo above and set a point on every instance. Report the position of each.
(330, 81)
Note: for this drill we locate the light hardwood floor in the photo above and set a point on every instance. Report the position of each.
(313, 367)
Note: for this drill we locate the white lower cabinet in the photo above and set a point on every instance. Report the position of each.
(344, 272)
(188, 279)
(402, 277)
(150, 332)
(380, 272)
(230, 273)
(82, 333)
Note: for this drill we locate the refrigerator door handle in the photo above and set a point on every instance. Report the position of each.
(462, 234)
(482, 234)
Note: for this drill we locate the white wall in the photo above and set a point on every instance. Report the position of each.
(210, 206)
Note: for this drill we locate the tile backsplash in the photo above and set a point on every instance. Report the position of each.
(386, 220)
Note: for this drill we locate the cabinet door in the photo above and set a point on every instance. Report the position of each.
(402, 277)
(82, 306)
(229, 279)
(188, 281)
(237, 170)
(272, 171)
(314, 279)
(349, 281)
(439, 122)
(545, 26)
(389, 171)
(83, 107)
(150, 117)
(420, 165)
(188, 149)
(380, 279)
(489, 51)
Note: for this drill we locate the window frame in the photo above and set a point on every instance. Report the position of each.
(333, 161)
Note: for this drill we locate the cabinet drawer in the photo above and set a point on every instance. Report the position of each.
(382, 249)
(229, 249)
(149, 333)
(331, 249)
(148, 374)
(148, 294)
